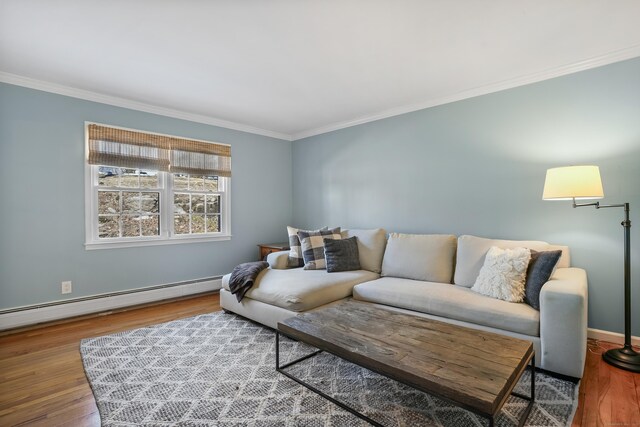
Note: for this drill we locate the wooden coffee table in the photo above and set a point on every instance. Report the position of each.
(473, 369)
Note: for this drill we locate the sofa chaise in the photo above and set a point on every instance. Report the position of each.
(431, 276)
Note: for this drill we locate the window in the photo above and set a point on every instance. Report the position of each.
(149, 189)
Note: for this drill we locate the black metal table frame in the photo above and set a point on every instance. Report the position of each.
(491, 418)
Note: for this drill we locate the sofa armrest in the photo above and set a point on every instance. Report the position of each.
(563, 321)
(278, 260)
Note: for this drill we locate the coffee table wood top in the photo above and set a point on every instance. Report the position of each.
(473, 368)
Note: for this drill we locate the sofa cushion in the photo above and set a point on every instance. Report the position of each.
(420, 257)
(300, 290)
(371, 246)
(341, 254)
(453, 302)
(472, 250)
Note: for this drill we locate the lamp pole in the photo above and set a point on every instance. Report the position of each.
(625, 357)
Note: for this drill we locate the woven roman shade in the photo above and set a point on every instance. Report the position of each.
(200, 158)
(132, 149)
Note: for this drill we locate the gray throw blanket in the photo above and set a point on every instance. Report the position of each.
(243, 276)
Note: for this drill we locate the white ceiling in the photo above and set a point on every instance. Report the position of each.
(292, 68)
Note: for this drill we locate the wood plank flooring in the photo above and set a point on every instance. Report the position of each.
(42, 382)
(608, 396)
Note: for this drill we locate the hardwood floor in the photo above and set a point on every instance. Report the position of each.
(42, 382)
(608, 396)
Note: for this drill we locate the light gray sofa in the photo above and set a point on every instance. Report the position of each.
(431, 276)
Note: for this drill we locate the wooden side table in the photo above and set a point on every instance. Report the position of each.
(267, 248)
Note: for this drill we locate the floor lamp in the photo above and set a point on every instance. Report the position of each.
(580, 183)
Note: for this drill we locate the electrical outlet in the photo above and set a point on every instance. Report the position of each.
(66, 288)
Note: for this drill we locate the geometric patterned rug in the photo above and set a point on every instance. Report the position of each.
(218, 369)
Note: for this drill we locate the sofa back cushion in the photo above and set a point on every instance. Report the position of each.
(472, 251)
(426, 257)
(371, 245)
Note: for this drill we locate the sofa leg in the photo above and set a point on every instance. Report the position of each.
(227, 311)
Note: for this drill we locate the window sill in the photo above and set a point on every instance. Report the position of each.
(118, 244)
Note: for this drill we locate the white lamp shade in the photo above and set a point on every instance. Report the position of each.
(573, 182)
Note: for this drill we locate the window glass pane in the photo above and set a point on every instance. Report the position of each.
(213, 203)
(181, 224)
(150, 202)
(196, 183)
(108, 176)
(134, 208)
(130, 201)
(150, 225)
(181, 203)
(197, 203)
(197, 224)
(130, 226)
(129, 178)
(108, 202)
(180, 181)
(213, 224)
(108, 226)
(149, 179)
(211, 183)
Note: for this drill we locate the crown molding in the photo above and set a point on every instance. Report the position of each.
(59, 89)
(598, 61)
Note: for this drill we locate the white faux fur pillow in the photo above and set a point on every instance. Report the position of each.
(503, 274)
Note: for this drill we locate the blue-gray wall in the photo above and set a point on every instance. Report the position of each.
(478, 166)
(42, 201)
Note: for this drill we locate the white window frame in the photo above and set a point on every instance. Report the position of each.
(167, 235)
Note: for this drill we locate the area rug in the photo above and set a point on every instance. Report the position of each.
(218, 369)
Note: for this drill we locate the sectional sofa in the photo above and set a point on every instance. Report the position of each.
(431, 276)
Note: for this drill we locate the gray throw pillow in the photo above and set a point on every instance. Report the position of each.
(342, 255)
(538, 273)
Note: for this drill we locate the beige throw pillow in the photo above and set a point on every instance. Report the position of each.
(503, 274)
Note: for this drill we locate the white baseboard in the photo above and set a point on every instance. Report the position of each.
(614, 337)
(32, 316)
